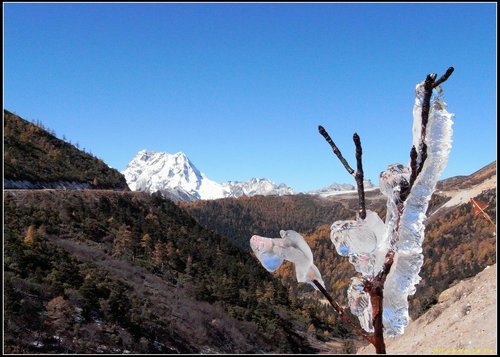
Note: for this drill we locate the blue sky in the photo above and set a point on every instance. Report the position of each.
(242, 87)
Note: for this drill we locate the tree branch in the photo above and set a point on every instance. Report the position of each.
(360, 176)
(429, 84)
(342, 313)
(444, 77)
(413, 165)
(335, 149)
(375, 288)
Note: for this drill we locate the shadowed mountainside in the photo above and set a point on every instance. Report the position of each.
(102, 271)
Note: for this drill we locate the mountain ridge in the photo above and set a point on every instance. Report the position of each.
(176, 177)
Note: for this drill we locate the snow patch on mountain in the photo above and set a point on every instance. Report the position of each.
(459, 197)
(176, 177)
(336, 189)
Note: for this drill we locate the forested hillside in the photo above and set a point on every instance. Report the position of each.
(98, 271)
(103, 271)
(241, 218)
(33, 154)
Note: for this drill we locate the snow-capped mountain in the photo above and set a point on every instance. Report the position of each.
(336, 188)
(175, 176)
(257, 187)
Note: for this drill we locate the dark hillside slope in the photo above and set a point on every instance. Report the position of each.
(34, 155)
(102, 271)
(240, 218)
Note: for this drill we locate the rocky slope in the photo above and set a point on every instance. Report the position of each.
(464, 321)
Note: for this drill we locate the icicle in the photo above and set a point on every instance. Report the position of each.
(359, 303)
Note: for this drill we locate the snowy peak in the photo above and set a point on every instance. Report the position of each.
(176, 177)
(257, 187)
(157, 171)
(336, 188)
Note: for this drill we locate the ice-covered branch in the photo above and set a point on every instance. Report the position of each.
(388, 255)
(424, 92)
(390, 260)
(342, 313)
(272, 252)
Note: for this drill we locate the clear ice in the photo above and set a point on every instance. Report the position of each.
(272, 252)
(366, 242)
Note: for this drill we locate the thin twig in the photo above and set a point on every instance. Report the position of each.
(426, 105)
(342, 313)
(428, 86)
(335, 149)
(360, 176)
(444, 77)
(413, 165)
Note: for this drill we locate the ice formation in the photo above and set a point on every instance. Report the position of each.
(360, 240)
(271, 252)
(359, 303)
(404, 276)
(366, 242)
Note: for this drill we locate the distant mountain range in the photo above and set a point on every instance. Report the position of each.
(340, 188)
(176, 177)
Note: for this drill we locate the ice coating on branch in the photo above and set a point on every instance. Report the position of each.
(271, 252)
(404, 276)
(359, 303)
(392, 181)
(366, 242)
(359, 240)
